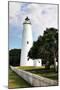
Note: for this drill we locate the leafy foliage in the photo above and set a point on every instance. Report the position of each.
(46, 47)
(14, 57)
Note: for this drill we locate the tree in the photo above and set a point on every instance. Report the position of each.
(51, 36)
(46, 47)
(14, 57)
(33, 51)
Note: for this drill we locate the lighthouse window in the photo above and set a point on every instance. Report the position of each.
(27, 42)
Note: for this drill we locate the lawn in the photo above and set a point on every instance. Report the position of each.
(46, 73)
(30, 67)
(41, 71)
(16, 82)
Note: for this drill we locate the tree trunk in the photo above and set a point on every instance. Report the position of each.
(47, 65)
(55, 66)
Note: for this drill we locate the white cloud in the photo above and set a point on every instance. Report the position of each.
(14, 9)
(41, 15)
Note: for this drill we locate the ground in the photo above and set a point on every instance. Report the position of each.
(16, 82)
(41, 71)
(46, 73)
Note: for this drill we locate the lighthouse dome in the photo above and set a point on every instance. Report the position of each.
(27, 21)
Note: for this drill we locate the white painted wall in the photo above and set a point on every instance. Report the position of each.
(37, 62)
(30, 63)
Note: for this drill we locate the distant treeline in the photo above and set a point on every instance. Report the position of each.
(14, 57)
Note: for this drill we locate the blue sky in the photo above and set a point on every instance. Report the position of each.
(42, 16)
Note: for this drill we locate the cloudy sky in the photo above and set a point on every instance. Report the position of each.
(42, 16)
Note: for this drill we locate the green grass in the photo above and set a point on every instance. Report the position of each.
(50, 75)
(30, 67)
(46, 73)
(41, 71)
(16, 82)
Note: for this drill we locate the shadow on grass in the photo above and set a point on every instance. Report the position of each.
(49, 73)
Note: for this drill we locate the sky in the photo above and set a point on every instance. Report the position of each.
(42, 16)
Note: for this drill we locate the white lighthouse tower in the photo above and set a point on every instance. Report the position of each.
(27, 43)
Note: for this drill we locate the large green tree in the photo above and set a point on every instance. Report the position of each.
(46, 47)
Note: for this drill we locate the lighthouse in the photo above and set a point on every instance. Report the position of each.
(27, 43)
